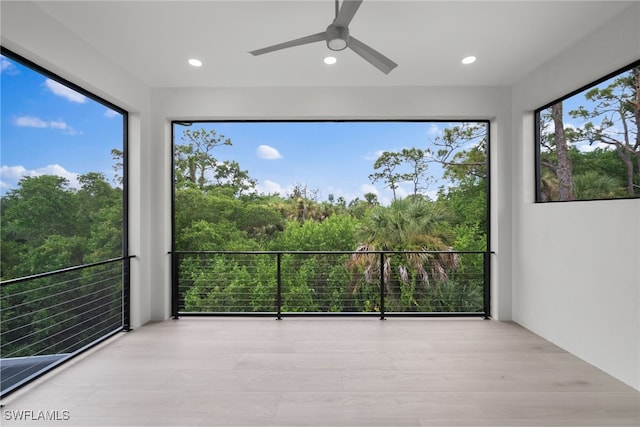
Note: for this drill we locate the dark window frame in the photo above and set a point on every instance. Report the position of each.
(187, 122)
(537, 134)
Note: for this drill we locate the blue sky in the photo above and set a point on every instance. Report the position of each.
(331, 157)
(47, 128)
(50, 129)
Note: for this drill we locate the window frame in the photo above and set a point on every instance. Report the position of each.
(537, 134)
(487, 294)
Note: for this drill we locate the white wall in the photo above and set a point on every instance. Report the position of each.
(576, 275)
(29, 32)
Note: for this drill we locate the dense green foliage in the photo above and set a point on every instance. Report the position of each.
(211, 216)
(47, 226)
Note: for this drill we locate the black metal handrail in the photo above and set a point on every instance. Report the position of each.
(211, 286)
(63, 270)
(323, 252)
(48, 318)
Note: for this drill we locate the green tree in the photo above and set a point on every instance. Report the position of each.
(411, 224)
(387, 165)
(229, 174)
(418, 164)
(336, 233)
(118, 166)
(600, 160)
(371, 198)
(40, 208)
(592, 185)
(463, 155)
(563, 163)
(614, 120)
(194, 159)
(461, 150)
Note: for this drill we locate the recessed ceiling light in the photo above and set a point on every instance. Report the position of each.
(330, 60)
(469, 60)
(195, 62)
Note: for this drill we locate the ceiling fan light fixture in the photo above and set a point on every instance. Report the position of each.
(337, 37)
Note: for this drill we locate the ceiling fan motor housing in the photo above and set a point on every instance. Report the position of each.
(337, 37)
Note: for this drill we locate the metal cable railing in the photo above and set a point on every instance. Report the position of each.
(50, 317)
(338, 282)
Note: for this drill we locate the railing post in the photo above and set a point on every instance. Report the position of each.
(382, 286)
(279, 286)
(175, 294)
(126, 294)
(487, 284)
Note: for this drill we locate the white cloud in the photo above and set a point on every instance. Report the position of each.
(369, 188)
(270, 187)
(7, 67)
(550, 127)
(373, 155)
(64, 127)
(13, 173)
(267, 152)
(587, 148)
(434, 130)
(109, 113)
(30, 122)
(36, 122)
(10, 175)
(65, 92)
(4, 64)
(58, 125)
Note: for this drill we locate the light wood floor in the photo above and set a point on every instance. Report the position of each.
(330, 372)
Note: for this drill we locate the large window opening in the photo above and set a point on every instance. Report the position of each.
(368, 217)
(588, 142)
(64, 277)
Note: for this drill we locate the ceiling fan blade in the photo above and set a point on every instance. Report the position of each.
(348, 9)
(291, 43)
(371, 55)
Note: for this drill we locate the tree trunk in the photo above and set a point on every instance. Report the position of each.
(565, 181)
(624, 153)
(636, 73)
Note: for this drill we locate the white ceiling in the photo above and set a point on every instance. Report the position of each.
(152, 40)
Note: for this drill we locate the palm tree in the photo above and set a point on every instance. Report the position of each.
(593, 185)
(413, 226)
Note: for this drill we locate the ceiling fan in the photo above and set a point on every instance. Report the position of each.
(337, 37)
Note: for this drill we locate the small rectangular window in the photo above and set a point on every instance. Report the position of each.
(588, 142)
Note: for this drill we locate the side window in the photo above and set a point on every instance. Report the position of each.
(588, 143)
